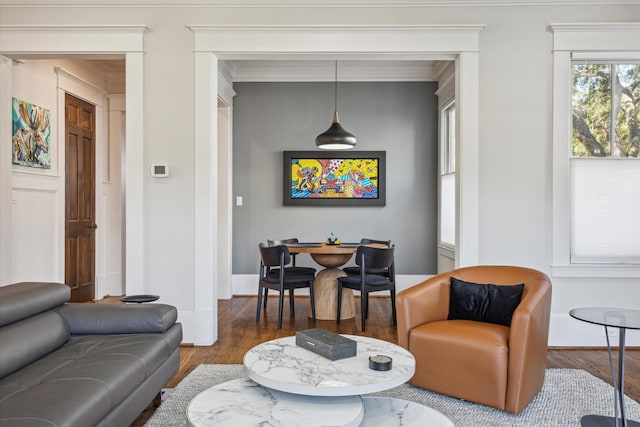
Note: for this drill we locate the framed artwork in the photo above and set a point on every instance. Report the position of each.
(31, 130)
(334, 178)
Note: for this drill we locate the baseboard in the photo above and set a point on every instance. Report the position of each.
(565, 331)
(186, 319)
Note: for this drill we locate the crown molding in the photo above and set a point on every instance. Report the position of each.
(323, 71)
(309, 3)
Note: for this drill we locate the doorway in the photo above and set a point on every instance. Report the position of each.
(80, 206)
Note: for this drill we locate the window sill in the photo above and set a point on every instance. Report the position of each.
(596, 270)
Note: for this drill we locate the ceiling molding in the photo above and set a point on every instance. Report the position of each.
(324, 71)
(309, 3)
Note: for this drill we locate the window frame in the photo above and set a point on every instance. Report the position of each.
(447, 164)
(571, 42)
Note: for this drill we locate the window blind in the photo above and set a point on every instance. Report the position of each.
(605, 210)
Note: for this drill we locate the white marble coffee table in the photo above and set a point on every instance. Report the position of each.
(242, 402)
(291, 386)
(282, 365)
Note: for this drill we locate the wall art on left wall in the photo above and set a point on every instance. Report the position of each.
(31, 130)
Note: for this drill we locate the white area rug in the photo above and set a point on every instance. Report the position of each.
(567, 395)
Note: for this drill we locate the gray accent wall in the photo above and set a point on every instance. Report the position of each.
(400, 118)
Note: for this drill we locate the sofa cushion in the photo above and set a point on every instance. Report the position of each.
(483, 302)
(88, 319)
(30, 339)
(22, 300)
(81, 382)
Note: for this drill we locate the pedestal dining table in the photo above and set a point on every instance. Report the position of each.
(325, 286)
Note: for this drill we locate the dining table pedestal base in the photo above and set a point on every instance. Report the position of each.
(325, 291)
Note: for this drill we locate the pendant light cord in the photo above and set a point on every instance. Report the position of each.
(335, 97)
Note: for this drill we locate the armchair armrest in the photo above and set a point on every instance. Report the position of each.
(91, 319)
(425, 302)
(528, 340)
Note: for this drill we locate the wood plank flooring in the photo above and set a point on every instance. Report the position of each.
(238, 332)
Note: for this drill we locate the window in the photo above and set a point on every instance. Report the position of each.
(596, 141)
(448, 176)
(604, 164)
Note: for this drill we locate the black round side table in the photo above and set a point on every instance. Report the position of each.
(139, 298)
(622, 319)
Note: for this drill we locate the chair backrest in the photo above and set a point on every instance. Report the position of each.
(372, 258)
(271, 256)
(281, 242)
(367, 241)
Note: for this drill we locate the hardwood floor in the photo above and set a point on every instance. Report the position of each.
(238, 332)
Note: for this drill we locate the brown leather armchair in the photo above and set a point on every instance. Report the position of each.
(491, 364)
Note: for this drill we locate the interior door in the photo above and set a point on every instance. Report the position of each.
(80, 209)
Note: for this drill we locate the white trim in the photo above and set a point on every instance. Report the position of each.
(5, 171)
(350, 71)
(310, 4)
(101, 39)
(186, 319)
(205, 197)
(225, 90)
(79, 87)
(467, 159)
(565, 331)
(134, 182)
(212, 43)
(225, 195)
(570, 39)
(313, 41)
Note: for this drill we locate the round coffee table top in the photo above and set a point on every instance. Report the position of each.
(608, 316)
(242, 402)
(282, 365)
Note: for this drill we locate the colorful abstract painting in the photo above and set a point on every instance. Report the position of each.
(31, 130)
(333, 176)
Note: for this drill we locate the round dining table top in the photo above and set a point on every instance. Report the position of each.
(329, 255)
(324, 248)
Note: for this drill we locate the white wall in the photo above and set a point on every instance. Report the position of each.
(515, 132)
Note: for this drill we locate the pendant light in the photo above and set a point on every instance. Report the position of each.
(336, 137)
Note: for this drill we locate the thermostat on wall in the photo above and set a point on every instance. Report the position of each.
(160, 170)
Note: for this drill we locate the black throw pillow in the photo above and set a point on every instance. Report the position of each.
(483, 303)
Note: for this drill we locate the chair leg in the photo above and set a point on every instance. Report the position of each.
(313, 301)
(364, 307)
(280, 304)
(292, 309)
(339, 301)
(393, 306)
(266, 294)
(259, 304)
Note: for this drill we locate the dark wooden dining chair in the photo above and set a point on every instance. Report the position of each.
(292, 267)
(355, 270)
(366, 282)
(275, 275)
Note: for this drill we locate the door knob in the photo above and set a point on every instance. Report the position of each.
(93, 226)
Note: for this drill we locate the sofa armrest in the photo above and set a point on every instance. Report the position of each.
(425, 302)
(92, 319)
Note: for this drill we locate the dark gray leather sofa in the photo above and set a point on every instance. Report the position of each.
(64, 364)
